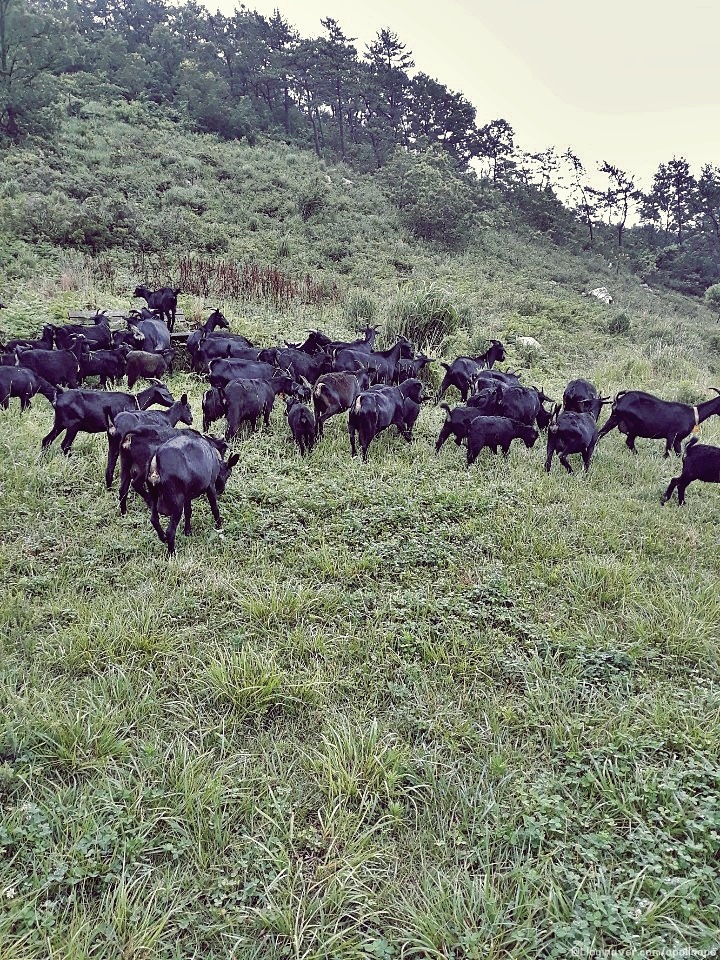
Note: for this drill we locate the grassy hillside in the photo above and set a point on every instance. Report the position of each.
(393, 710)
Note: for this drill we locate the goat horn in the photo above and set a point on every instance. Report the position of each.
(715, 389)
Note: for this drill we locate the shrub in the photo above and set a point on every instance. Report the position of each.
(434, 201)
(360, 305)
(426, 316)
(283, 248)
(311, 198)
(619, 324)
(712, 297)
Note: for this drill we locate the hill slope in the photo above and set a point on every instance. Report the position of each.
(392, 709)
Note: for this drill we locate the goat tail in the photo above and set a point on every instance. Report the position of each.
(317, 389)
(691, 443)
(444, 406)
(357, 404)
(446, 365)
(153, 475)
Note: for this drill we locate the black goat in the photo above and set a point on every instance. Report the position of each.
(96, 334)
(380, 407)
(105, 364)
(58, 367)
(148, 366)
(44, 342)
(302, 424)
(410, 369)
(639, 414)
(701, 461)
(183, 468)
(380, 363)
(334, 393)
(494, 432)
(457, 423)
(120, 424)
(164, 301)
(214, 407)
(156, 336)
(571, 433)
(581, 396)
(23, 383)
(223, 371)
(316, 342)
(87, 410)
(247, 400)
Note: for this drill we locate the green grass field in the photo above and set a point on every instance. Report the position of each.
(394, 710)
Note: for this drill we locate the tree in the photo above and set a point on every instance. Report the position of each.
(437, 115)
(618, 196)
(672, 198)
(581, 193)
(708, 204)
(386, 86)
(336, 62)
(496, 144)
(34, 48)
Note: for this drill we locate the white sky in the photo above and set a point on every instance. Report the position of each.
(634, 82)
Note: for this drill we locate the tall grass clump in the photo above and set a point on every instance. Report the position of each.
(360, 305)
(427, 316)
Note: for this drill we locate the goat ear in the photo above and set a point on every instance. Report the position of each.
(184, 398)
(233, 460)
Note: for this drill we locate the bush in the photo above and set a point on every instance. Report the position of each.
(434, 201)
(619, 324)
(712, 297)
(360, 305)
(311, 198)
(427, 316)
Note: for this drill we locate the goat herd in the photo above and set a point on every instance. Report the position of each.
(169, 468)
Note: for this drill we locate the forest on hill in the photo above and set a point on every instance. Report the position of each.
(169, 70)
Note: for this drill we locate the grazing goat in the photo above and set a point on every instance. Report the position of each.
(23, 383)
(214, 407)
(183, 468)
(494, 432)
(44, 342)
(457, 423)
(88, 410)
(410, 369)
(97, 334)
(164, 301)
(223, 371)
(571, 433)
(380, 363)
(247, 400)
(464, 371)
(316, 342)
(58, 367)
(105, 364)
(334, 393)
(581, 396)
(302, 424)
(701, 461)
(639, 414)
(156, 336)
(380, 407)
(121, 423)
(149, 366)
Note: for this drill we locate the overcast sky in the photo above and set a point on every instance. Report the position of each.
(630, 81)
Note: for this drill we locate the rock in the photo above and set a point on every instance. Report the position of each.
(603, 294)
(528, 343)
